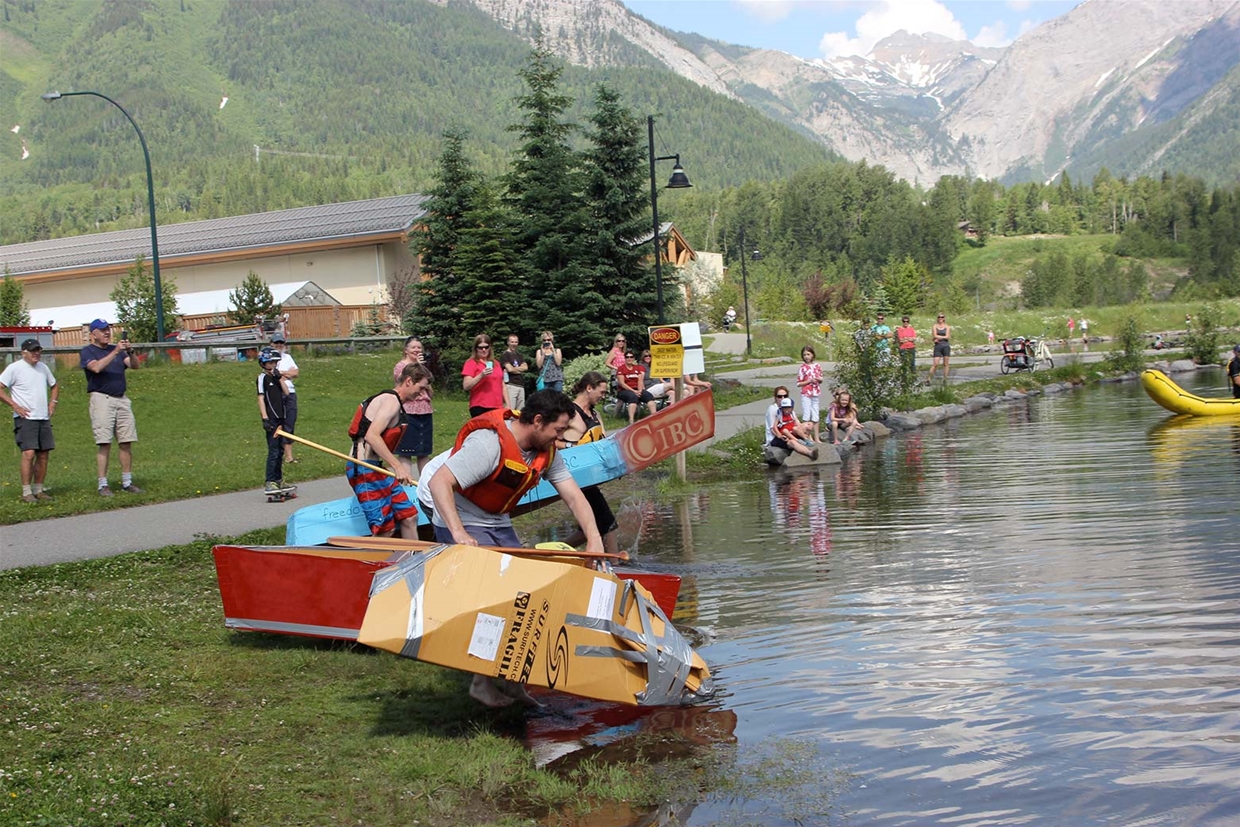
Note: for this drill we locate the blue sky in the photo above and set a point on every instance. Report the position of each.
(834, 28)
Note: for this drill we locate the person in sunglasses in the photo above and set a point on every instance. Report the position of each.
(482, 378)
(549, 359)
(783, 430)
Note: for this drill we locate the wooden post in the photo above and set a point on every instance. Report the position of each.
(681, 470)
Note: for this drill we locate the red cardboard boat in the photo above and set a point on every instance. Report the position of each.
(323, 592)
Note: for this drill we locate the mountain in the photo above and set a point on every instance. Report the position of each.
(1100, 85)
(252, 106)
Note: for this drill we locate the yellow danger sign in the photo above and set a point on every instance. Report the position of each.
(666, 360)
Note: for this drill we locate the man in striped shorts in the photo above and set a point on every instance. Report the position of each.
(376, 431)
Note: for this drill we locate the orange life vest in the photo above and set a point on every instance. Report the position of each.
(499, 492)
(361, 424)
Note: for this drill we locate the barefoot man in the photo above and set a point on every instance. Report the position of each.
(498, 457)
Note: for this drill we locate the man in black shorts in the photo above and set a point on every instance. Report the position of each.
(24, 388)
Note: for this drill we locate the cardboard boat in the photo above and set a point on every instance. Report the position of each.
(534, 622)
(653, 439)
(323, 591)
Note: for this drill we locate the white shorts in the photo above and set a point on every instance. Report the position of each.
(809, 408)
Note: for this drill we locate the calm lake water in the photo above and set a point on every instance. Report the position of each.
(1028, 616)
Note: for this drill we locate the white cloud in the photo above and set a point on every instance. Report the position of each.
(992, 36)
(768, 11)
(888, 17)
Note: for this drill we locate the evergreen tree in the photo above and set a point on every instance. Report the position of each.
(486, 294)
(134, 297)
(618, 274)
(14, 311)
(435, 317)
(543, 193)
(904, 283)
(252, 299)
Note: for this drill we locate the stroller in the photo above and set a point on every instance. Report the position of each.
(1018, 355)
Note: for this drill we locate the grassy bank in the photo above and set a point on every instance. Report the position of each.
(126, 701)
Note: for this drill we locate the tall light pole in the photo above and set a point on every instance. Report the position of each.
(678, 181)
(745, 288)
(150, 202)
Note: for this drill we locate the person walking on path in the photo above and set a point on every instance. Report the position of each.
(906, 341)
(941, 333)
(273, 409)
(809, 380)
(111, 411)
(481, 380)
(1085, 332)
(24, 388)
(376, 430)
(497, 458)
(1072, 327)
(417, 443)
(549, 359)
(515, 367)
(288, 371)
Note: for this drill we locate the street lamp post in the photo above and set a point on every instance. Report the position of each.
(745, 290)
(678, 181)
(150, 203)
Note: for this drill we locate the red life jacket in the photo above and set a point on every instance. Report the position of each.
(787, 419)
(498, 493)
(361, 423)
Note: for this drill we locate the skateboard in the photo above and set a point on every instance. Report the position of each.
(288, 492)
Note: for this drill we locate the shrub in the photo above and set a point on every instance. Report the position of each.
(1202, 342)
(1126, 352)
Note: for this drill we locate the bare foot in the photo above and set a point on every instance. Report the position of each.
(517, 692)
(484, 692)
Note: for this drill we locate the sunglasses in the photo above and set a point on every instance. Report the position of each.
(546, 341)
(483, 347)
(781, 396)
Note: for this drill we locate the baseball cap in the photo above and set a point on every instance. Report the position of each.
(99, 324)
(785, 402)
(277, 339)
(1236, 349)
(31, 344)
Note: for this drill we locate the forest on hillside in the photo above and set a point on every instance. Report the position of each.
(310, 118)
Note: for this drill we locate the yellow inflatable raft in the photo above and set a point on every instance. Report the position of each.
(1177, 400)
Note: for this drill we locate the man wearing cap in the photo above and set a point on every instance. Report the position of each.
(23, 387)
(1233, 372)
(288, 370)
(111, 413)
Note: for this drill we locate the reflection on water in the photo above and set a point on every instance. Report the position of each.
(1027, 616)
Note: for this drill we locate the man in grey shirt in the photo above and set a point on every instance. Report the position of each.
(476, 486)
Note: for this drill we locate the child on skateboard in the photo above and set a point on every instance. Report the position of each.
(272, 390)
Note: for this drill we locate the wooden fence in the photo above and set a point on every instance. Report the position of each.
(321, 322)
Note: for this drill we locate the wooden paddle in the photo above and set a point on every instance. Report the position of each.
(398, 544)
(334, 453)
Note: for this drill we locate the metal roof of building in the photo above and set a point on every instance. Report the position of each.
(350, 220)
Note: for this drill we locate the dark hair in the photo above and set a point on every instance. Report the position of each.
(588, 380)
(549, 404)
(811, 350)
(781, 388)
(482, 339)
(629, 353)
(415, 371)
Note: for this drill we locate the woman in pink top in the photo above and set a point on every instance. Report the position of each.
(416, 442)
(482, 381)
(615, 356)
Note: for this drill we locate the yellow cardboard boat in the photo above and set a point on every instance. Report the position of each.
(1177, 400)
(535, 622)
